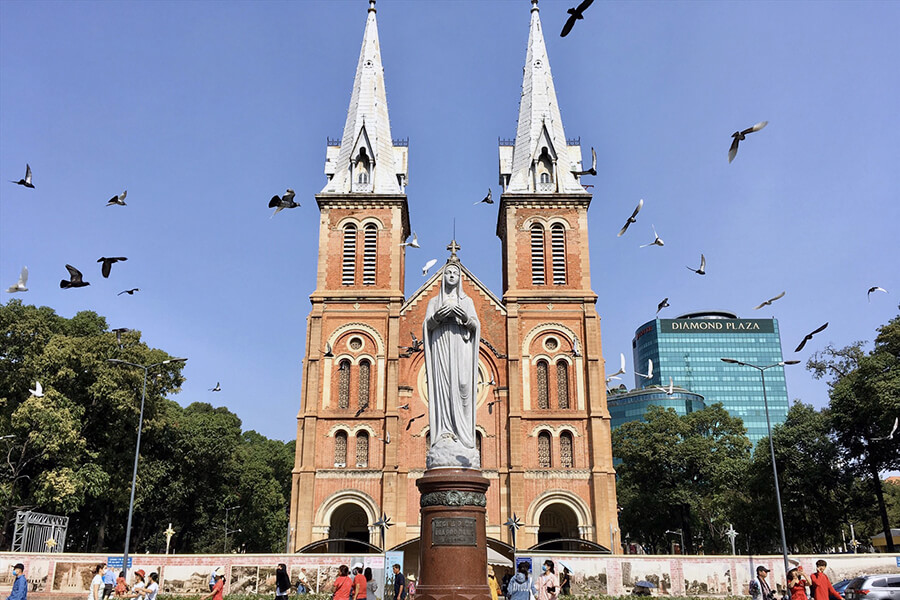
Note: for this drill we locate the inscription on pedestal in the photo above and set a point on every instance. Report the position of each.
(453, 531)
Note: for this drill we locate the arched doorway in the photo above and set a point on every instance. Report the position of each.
(348, 522)
(557, 521)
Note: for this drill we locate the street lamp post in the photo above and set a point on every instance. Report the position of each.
(762, 373)
(681, 533)
(137, 449)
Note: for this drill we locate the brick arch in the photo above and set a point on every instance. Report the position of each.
(338, 499)
(576, 380)
(566, 498)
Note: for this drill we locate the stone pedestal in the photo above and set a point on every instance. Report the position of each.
(453, 544)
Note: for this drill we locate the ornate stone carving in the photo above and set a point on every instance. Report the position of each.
(453, 498)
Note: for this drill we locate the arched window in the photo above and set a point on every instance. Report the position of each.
(545, 170)
(566, 451)
(545, 177)
(361, 168)
(558, 253)
(478, 447)
(544, 450)
(370, 241)
(363, 177)
(562, 384)
(542, 385)
(340, 449)
(344, 384)
(364, 383)
(537, 254)
(348, 271)
(362, 449)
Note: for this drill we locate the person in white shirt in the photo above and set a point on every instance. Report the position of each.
(151, 590)
(96, 589)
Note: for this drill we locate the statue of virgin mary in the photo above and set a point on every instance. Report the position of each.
(452, 337)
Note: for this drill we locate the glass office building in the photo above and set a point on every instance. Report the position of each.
(689, 349)
(632, 405)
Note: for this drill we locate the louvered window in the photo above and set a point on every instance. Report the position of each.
(348, 272)
(558, 252)
(542, 385)
(562, 384)
(537, 255)
(340, 449)
(544, 450)
(364, 376)
(344, 384)
(362, 449)
(370, 242)
(566, 452)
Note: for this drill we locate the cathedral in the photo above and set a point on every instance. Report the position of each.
(542, 424)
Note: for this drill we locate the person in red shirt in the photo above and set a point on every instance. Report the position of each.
(343, 585)
(796, 582)
(218, 586)
(821, 585)
(359, 582)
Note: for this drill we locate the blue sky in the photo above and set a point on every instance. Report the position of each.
(204, 110)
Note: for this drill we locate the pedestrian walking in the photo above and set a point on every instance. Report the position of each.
(212, 578)
(565, 582)
(759, 587)
(492, 583)
(96, 588)
(548, 582)
(359, 582)
(218, 586)
(121, 585)
(343, 585)
(152, 588)
(109, 581)
(282, 582)
(521, 587)
(821, 586)
(371, 584)
(139, 584)
(410, 586)
(399, 584)
(20, 583)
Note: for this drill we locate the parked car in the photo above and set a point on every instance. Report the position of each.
(874, 587)
(841, 585)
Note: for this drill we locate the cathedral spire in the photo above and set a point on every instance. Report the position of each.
(366, 159)
(540, 160)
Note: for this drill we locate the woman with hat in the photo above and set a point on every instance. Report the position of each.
(411, 586)
(218, 586)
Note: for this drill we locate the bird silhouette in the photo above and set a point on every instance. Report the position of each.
(361, 410)
(76, 279)
(417, 344)
(621, 370)
(702, 269)
(809, 336)
(428, 266)
(118, 200)
(108, 263)
(218, 388)
(649, 374)
(486, 200)
(286, 201)
(874, 288)
(20, 285)
(38, 391)
(328, 352)
(593, 169)
(574, 15)
(410, 422)
(662, 305)
(740, 136)
(119, 331)
(891, 434)
(631, 219)
(27, 181)
(769, 301)
(670, 390)
(657, 241)
(404, 407)
(129, 292)
(414, 243)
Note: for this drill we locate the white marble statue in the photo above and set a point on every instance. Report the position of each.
(452, 333)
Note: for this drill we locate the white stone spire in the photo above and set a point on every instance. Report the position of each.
(366, 160)
(540, 161)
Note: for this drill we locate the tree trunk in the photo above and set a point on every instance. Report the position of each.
(101, 532)
(882, 509)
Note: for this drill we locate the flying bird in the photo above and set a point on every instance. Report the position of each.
(119, 331)
(621, 370)
(632, 218)
(108, 263)
(404, 407)
(417, 344)
(120, 199)
(662, 305)
(129, 292)
(286, 201)
(891, 434)
(427, 266)
(740, 136)
(38, 391)
(386, 439)
(593, 169)
(809, 336)
(769, 301)
(670, 390)
(27, 181)
(20, 285)
(491, 382)
(76, 279)
(360, 411)
(649, 374)
(486, 200)
(657, 241)
(414, 243)
(574, 15)
(874, 288)
(328, 352)
(702, 269)
(410, 422)
(218, 388)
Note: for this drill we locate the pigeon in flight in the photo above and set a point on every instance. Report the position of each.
(741, 135)
(657, 241)
(129, 292)
(491, 382)
(593, 169)
(621, 370)
(891, 434)
(428, 266)
(108, 263)
(702, 269)
(361, 410)
(20, 285)
(119, 331)
(632, 218)
(649, 374)
(410, 422)
(574, 15)
(286, 201)
(27, 181)
(670, 390)
(404, 407)
(414, 243)
(662, 305)
(328, 352)
(38, 391)
(76, 279)
(874, 288)
(486, 200)
(120, 199)
(386, 439)
(417, 344)
(218, 388)
(809, 336)
(769, 301)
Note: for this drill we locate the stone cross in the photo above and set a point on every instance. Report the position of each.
(731, 533)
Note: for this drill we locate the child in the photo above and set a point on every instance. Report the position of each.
(121, 586)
